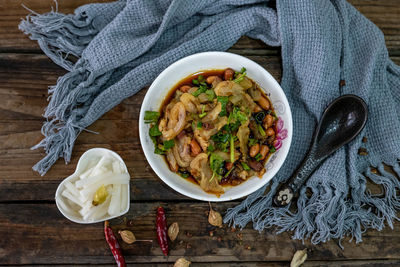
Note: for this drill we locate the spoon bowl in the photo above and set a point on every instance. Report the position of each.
(340, 123)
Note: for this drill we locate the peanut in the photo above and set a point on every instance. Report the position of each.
(195, 148)
(228, 74)
(270, 131)
(254, 150)
(185, 88)
(264, 103)
(268, 121)
(264, 151)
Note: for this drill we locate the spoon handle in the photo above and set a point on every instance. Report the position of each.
(287, 191)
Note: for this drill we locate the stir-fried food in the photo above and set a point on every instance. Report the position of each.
(216, 128)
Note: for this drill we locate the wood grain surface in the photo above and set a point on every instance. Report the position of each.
(35, 233)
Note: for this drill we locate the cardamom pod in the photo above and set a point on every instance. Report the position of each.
(182, 262)
(127, 236)
(173, 231)
(214, 217)
(299, 258)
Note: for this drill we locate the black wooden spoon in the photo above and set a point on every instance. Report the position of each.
(341, 122)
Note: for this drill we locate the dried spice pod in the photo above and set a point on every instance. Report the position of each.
(127, 236)
(214, 217)
(173, 231)
(182, 262)
(299, 258)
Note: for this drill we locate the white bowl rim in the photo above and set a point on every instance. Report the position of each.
(152, 89)
(83, 158)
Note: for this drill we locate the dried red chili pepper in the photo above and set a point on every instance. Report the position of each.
(161, 224)
(114, 246)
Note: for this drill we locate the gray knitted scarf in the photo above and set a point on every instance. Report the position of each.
(121, 47)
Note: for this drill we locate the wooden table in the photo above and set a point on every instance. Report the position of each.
(34, 232)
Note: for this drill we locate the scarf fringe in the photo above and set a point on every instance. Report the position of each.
(327, 213)
(58, 142)
(59, 35)
(70, 100)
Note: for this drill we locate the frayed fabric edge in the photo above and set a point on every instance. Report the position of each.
(59, 35)
(70, 99)
(327, 213)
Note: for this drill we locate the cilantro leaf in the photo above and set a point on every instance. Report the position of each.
(202, 89)
(224, 101)
(210, 94)
(252, 142)
(210, 148)
(217, 165)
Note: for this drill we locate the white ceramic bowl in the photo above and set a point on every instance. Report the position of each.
(80, 168)
(205, 61)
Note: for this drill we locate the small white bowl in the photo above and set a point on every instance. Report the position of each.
(80, 168)
(206, 61)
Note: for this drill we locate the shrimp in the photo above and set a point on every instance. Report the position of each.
(176, 123)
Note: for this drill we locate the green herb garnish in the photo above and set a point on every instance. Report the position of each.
(258, 157)
(199, 125)
(224, 101)
(217, 165)
(202, 89)
(220, 137)
(259, 117)
(203, 114)
(162, 149)
(195, 82)
(237, 115)
(261, 130)
(210, 94)
(272, 149)
(169, 144)
(252, 142)
(151, 116)
(227, 174)
(200, 78)
(245, 166)
(240, 76)
(184, 174)
(154, 131)
(232, 145)
(210, 148)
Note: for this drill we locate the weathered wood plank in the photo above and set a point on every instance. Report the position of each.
(38, 234)
(308, 263)
(385, 14)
